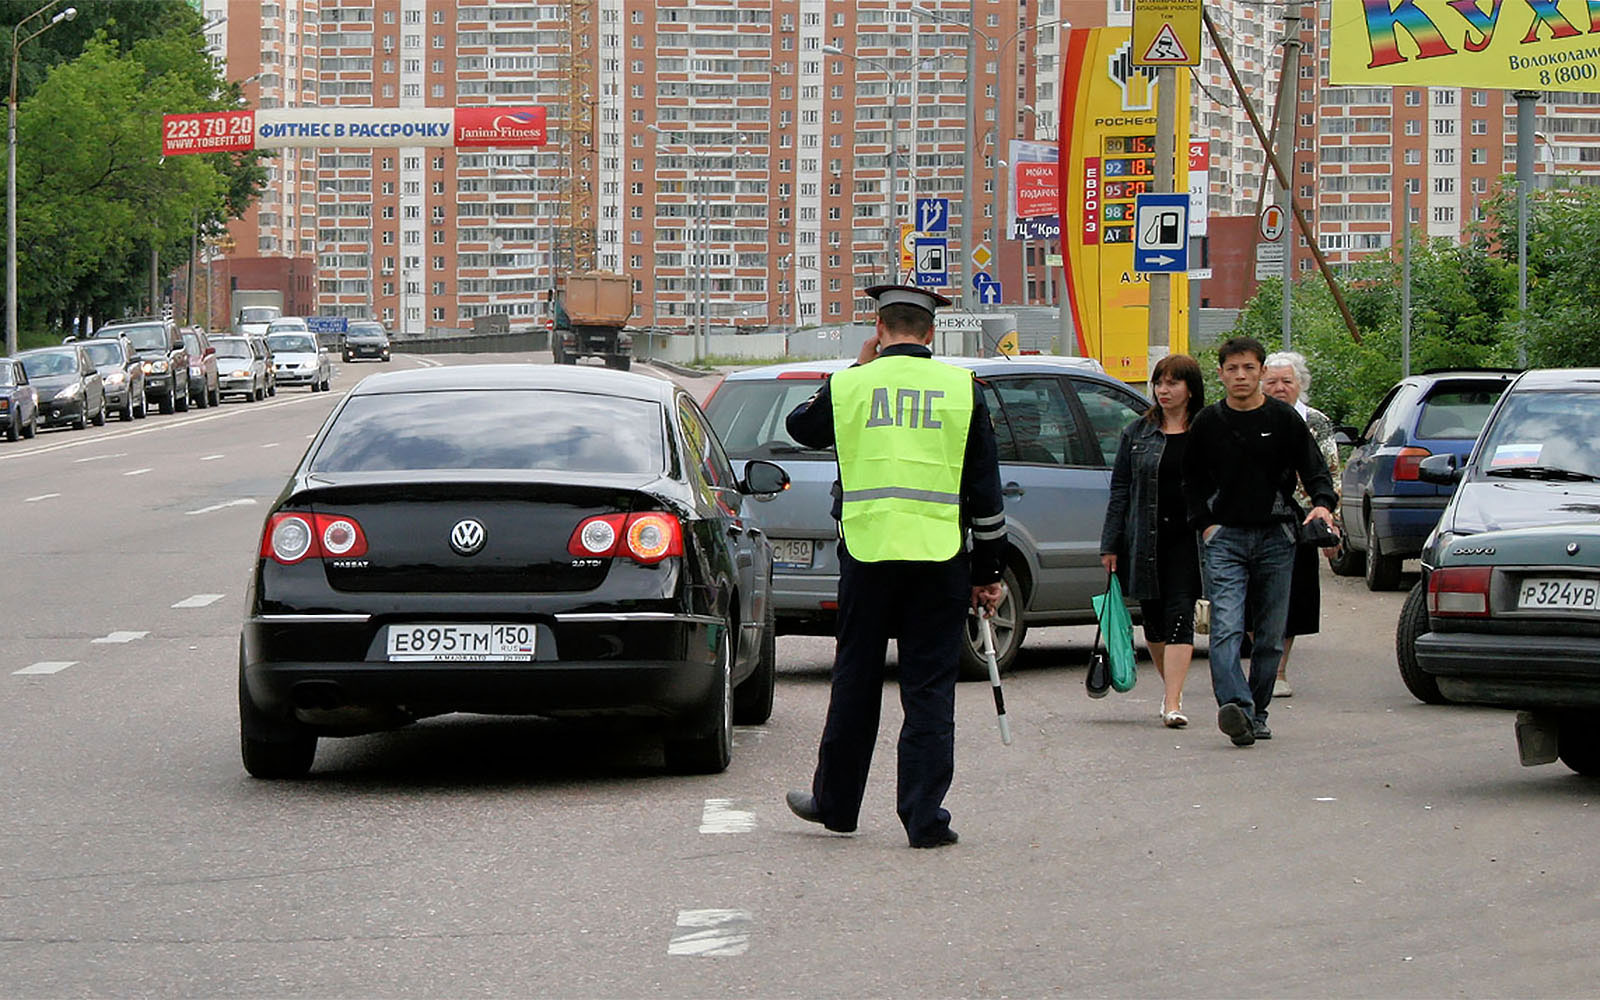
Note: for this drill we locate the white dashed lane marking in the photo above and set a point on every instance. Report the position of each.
(121, 637)
(711, 933)
(209, 458)
(46, 667)
(270, 444)
(137, 472)
(42, 496)
(242, 502)
(720, 816)
(96, 458)
(198, 601)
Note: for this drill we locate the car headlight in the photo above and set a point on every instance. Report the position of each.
(155, 367)
(241, 373)
(116, 379)
(72, 391)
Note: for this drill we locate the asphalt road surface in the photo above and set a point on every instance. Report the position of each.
(1375, 847)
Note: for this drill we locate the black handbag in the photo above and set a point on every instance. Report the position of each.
(1097, 681)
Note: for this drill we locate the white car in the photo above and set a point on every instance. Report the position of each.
(297, 357)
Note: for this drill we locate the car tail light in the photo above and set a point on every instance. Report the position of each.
(1461, 592)
(1407, 462)
(292, 536)
(645, 538)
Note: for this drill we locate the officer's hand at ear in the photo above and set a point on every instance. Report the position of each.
(869, 349)
(987, 597)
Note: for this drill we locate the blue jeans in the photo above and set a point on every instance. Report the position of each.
(1253, 563)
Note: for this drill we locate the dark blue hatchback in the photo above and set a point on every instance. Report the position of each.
(1387, 510)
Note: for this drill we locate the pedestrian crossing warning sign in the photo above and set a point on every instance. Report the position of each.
(1166, 32)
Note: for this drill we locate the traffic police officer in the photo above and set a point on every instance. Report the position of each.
(917, 468)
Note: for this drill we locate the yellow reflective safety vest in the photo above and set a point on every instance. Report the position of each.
(900, 424)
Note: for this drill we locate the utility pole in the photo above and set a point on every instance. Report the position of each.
(969, 137)
(1527, 104)
(1288, 100)
(1160, 329)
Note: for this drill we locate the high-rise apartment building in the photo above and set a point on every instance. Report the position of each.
(752, 161)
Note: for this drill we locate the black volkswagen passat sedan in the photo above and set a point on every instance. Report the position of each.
(510, 540)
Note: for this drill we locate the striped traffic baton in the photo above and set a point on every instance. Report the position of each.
(994, 677)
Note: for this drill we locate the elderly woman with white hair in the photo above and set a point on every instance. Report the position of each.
(1286, 377)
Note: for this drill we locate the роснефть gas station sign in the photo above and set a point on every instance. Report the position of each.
(283, 128)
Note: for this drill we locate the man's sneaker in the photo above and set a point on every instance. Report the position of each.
(1235, 722)
(1281, 689)
(1261, 731)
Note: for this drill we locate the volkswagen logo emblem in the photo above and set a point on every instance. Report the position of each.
(468, 536)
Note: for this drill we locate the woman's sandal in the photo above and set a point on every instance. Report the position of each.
(1174, 719)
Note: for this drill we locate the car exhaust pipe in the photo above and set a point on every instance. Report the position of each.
(317, 696)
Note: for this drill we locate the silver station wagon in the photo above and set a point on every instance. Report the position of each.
(1057, 421)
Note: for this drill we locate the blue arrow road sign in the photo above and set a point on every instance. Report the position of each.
(930, 255)
(979, 279)
(990, 294)
(1161, 233)
(933, 215)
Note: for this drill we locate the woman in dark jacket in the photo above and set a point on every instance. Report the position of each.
(1146, 531)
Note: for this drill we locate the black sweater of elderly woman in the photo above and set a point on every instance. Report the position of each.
(1145, 514)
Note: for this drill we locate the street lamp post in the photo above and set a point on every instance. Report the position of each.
(17, 41)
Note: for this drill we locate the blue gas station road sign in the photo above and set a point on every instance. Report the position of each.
(933, 215)
(932, 261)
(1161, 233)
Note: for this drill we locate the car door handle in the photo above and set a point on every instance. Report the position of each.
(1012, 490)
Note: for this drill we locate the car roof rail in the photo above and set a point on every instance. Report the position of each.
(1470, 370)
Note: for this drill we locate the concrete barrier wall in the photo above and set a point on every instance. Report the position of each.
(497, 343)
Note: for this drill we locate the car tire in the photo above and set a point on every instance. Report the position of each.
(1578, 744)
(126, 413)
(200, 402)
(13, 429)
(258, 394)
(272, 389)
(182, 401)
(269, 748)
(166, 403)
(1345, 560)
(1010, 629)
(1382, 571)
(1413, 623)
(142, 409)
(708, 747)
(216, 397)
(752, 700)
(32, 428)
(99, 418)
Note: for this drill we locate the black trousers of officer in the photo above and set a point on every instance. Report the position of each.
(923, 605)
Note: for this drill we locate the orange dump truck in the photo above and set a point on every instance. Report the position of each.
(590, 314)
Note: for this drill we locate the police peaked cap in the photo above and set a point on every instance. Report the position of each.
(908, 295)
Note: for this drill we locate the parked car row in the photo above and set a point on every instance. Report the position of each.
(129, 365)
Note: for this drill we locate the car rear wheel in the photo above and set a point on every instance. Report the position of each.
(1578, 744)
(752, 700)
(1010, 627)
(99, 418)
(182, 401)
(166, 403)
(1382, 571)
(269, 748)
(126, 414)
(1413, 623)
(13, 429)
(708, 748)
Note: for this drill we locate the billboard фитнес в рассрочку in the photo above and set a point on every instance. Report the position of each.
(283, 128)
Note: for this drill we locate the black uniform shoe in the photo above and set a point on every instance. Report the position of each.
(1236, 722)
(802, 804)
(1261, 731)
(943, 839)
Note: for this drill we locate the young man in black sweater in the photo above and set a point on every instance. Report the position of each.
(1238, 478)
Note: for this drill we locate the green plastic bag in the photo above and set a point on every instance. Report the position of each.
(1117, 627)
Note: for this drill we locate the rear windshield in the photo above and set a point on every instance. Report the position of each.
(1456, 412)
(259, 314)
(519, 429)
(1558, 430)
(748, 416)
(104, 352)
(146, 337)
(230, 348)
(292, 342)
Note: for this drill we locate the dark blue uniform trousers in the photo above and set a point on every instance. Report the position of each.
(923, 605)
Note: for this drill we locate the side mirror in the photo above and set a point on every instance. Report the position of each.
(69, 339)
(1441, 470)
(1345, 434)
(762, 478)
